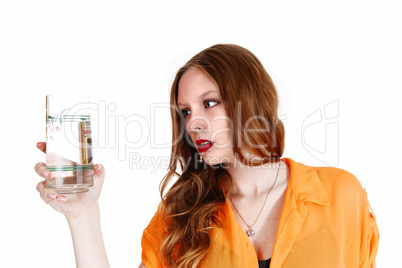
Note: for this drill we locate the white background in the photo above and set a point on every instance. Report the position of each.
(345, 55)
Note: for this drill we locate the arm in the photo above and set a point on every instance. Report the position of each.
(87, 238)
(370, 245)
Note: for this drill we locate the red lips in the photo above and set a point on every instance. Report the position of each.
(203, 145)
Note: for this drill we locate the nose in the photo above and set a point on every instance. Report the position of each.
(198, 123)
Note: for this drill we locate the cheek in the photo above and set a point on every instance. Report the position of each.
(192, 136)
(221, 134)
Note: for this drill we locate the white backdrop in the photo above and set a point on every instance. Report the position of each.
(336, 64)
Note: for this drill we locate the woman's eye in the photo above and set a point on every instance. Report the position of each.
(210, 103)
(185, 112)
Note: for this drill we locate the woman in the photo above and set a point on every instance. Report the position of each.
(236, 203)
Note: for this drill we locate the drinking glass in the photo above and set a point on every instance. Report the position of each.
(69, 143)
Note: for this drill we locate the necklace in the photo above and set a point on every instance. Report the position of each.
(250, 232)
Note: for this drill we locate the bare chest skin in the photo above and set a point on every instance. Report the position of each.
(266, 226)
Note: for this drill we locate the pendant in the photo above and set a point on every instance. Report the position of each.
(250, 232)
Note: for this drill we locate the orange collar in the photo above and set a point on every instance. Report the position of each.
(305, 184)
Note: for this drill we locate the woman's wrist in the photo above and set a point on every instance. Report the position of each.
(86, 213)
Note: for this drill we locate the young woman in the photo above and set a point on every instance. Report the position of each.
(236, 202)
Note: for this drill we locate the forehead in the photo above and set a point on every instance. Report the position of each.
(195, 84)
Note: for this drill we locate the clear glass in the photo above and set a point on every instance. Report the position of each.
(69, 143)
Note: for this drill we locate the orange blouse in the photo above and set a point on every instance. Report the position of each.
(326, 221)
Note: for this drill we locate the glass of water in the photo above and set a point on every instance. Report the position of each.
(69, 143)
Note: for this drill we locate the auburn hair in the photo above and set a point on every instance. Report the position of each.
(191, 206)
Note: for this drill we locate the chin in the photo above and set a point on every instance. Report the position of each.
(215, 160)
(212, 163)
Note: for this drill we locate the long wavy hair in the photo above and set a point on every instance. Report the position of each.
(192, 204)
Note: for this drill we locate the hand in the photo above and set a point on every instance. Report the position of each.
(71, 205)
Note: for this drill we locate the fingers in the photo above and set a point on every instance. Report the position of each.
(41, 146)
(41, 169)
(47, 195)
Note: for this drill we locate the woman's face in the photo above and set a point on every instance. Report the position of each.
(205, 118)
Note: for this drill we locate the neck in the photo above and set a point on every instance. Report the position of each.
(252, 181)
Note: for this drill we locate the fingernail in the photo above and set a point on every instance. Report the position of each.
(37, 145)
(99, 167)
(62, 198)
(52, 196)
(45, 173)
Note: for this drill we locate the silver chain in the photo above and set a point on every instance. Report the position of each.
(266, 197)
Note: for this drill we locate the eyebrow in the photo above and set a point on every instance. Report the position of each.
(200, 97)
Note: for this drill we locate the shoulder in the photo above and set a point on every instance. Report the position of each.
(152, 239)
(335, 184)
(156, 227)
(342, 187)
(338, 178)
(329, 177)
